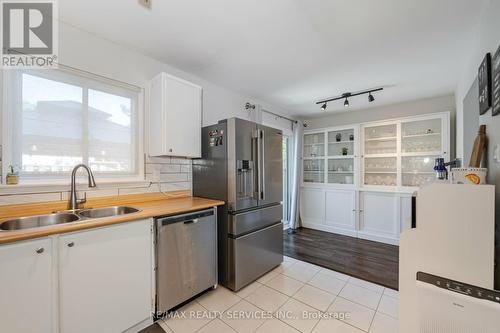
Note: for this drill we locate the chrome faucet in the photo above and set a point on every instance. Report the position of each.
(73, 200)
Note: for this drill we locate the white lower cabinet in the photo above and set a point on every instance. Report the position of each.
(329, 210)
(379, 216)
(105, 278)
(312, 205)
(98, 280)
(372, 215)
(26, 287)
(340, 213)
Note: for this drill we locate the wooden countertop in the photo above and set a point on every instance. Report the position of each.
(150, 204)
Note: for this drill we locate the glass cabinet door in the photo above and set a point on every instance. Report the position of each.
(380, 140)
(422, 136)
(380, 171)
(417, 170)
(341, 143)
(314, 145)
(314, 171)
(341, 171)
(341, 156)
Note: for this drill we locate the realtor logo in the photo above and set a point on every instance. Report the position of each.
(29, 34)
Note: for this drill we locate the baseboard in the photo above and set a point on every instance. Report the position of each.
(378, 238)
(358, 234)
(329, 228)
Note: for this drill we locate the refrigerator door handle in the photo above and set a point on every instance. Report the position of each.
(256, 157)
(263, 168)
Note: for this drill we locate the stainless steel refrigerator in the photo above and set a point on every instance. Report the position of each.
(242, 164)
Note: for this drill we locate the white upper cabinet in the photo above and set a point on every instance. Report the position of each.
(26, 288)
(329, 156)
(401, 153)
(175, 117)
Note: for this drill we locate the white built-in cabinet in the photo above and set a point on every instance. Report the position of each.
(379, 216)
(98, 280)
(358, 180)
(175, 117)
(340, 212)
(26, 287)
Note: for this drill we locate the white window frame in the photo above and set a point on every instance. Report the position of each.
(86, 80)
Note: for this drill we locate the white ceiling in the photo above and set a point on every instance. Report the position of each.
(292, 53)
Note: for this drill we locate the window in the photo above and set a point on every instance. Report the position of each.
(58, 118)
(286, 179)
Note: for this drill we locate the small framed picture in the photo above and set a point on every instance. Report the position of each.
(484, 79)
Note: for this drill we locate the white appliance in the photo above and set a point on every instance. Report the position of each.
(448, 306)
(453, 237)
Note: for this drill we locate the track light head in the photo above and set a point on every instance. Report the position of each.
(323, 107)
(370, 98)
(346, 102)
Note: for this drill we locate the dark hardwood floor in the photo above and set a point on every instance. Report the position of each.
(367, 260)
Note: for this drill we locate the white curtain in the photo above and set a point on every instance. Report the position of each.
(296, 169)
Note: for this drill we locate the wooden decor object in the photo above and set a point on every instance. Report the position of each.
(478, 148)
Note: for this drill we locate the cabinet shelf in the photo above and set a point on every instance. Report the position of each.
(340, 157)
(418, 172)
(339, 142)
(380, 172)
(314, 144)
(380, 155)
(341, 172)
(421, 153)
(386, 138)
(420, 135)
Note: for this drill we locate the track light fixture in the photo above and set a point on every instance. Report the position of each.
(347, 95)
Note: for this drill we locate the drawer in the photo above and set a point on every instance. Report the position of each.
(244, 223)
(254, 254)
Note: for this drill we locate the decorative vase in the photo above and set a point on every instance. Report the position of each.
(338, 137)
(344, 151)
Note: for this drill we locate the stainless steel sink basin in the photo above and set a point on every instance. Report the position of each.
(38, 221)
(107, 212)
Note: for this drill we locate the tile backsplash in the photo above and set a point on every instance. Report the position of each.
(165, 174)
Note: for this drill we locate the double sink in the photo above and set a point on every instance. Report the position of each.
(65, 217)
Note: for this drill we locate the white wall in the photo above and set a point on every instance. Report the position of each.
(88, 52)
(406, 109)
(487, 40)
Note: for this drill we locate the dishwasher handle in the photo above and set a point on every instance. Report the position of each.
(189, 218)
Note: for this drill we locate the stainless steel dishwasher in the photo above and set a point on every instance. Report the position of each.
(186, 257)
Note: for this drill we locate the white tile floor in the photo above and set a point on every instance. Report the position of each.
(295, 297)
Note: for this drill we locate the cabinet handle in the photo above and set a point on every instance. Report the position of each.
(170, 150)
(40, 250)
(71, 244)
(361, 210)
